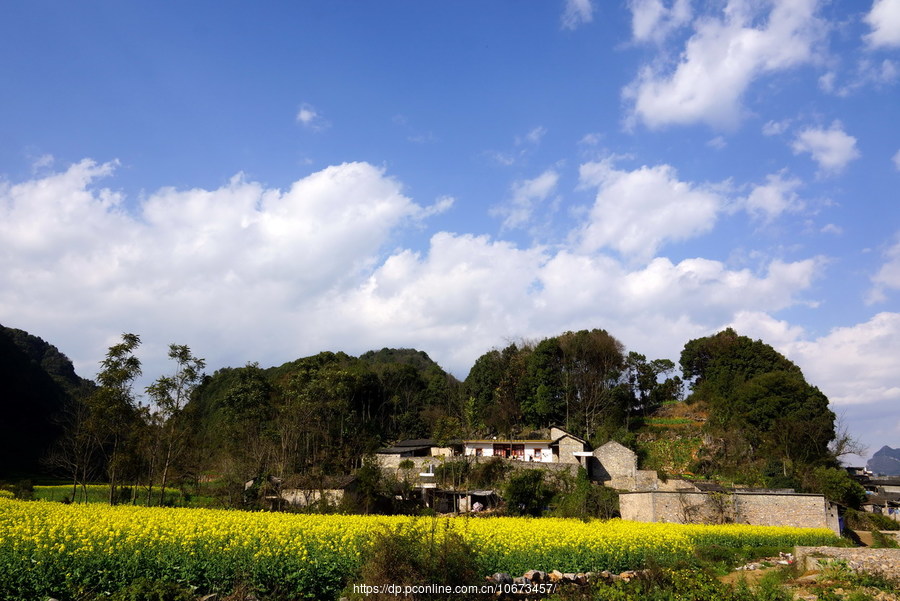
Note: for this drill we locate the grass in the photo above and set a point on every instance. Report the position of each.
(99, 493)
(672, 455)
(668, 421)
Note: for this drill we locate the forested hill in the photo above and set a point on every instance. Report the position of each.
(762, 423)
(326, 411)
(50, 360)
(37, 383)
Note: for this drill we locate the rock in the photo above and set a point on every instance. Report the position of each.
(556, 576)
(569, 577)
(519, 580)
(627, 576)
(605, 575)
(502, 578)
(581, 579)
(533, 576)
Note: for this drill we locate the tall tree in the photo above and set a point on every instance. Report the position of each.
(170, 395)
(113, 408)
(593, 362)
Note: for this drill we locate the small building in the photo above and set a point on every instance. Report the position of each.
(884, 485)
(415, 449)
(887, 503)
(561, 447)
(329, 490)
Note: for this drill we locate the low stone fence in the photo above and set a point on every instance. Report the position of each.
(885, 562)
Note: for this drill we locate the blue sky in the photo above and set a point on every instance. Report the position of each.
(266, 182)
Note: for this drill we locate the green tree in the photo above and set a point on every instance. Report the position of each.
(545, 404)
(171, 394)
(717, 365)
(249, 410)
(113, 408)
(762, 410)
(592, 365)
(526, 493)
(782, 416)
(837, 486)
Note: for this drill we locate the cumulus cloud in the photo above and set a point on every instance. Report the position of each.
(637, 212)
(888, 276)
(244, 272)
(854, 364)
(526, 195)
(884, 20)
(721, 59)
(469, 293)
(577, 13)
(239, 258)
(831, 148)
(652, 20)
(776, 196)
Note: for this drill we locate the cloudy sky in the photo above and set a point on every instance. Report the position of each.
(264, 182)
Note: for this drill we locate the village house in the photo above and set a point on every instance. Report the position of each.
(644, 497)
(612, 464)
(561, 447)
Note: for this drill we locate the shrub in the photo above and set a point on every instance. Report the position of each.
(526, 493)
(452, 474)
(587, 500)
(402, 556)
(490, 473)
(153, 590)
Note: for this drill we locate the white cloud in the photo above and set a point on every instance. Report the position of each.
(652, 20)
(774, 128)
(636, 212)
(896, 160)
(867, 73)
(244, 272)
(526, 194)
(236, 263)
(888, 276)
(468, 294)
(720, 61)
(719, 143)
(533, 137)
(776, 196)
(831, 148)
(884, 19)
(310, 118)
(855, 364)
(576, 13)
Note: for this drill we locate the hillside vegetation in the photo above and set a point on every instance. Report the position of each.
(743, 413)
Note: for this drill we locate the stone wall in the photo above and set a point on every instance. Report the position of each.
(885, 562)
(305, 498)
(761, 509)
